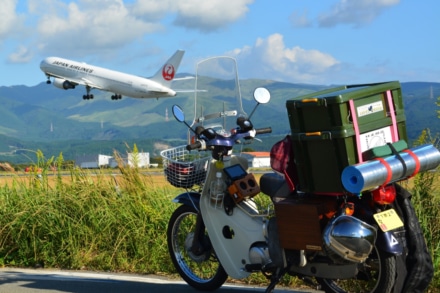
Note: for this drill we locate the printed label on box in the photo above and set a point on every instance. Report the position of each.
(378, 137)
(369, 109)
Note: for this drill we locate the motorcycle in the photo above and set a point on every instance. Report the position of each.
(334, 243)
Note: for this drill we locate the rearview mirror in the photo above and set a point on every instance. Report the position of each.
(261, 95)
(178, 113)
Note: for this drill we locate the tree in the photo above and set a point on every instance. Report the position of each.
(247, 150)
(438, 104)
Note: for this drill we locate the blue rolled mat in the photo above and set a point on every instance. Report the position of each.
(371, 174)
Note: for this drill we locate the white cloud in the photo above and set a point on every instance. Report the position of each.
(209, 15)
(153, 9)
(300, 20)
(277, 62)
(10, 21)
(21, 55)
(89, 25)
(355, 12)
(202, 15)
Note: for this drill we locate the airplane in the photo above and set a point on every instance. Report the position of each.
(67, 74)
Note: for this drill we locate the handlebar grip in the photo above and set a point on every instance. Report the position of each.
(194, 146)
(263, 130)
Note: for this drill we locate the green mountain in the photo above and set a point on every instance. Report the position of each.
(421, 110)
(53, 120)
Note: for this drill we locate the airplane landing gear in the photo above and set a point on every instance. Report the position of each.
(116, 97)
(48, 81)
(88, 97)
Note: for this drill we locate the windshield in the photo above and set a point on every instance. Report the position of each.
(217, 94)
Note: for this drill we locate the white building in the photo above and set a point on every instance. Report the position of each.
(140, 160)
(257, 159)
(92, 161)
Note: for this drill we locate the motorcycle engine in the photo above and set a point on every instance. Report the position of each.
(349, 239)
(259, 254)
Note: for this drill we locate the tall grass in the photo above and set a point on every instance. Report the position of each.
(91, 221)
(426, 201)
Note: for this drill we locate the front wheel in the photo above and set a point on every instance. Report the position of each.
(376, 274)
(202, 270)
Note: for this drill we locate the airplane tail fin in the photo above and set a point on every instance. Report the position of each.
(167, 72)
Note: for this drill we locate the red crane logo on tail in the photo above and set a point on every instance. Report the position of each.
(168, 72)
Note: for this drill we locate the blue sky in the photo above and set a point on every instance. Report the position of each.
(298, 41)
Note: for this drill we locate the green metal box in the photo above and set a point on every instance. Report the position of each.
(332, 128)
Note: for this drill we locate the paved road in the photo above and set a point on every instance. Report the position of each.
(38, 281)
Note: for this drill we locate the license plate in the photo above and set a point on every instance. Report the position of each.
(388, 220)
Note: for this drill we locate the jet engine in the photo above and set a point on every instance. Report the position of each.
(63, 84)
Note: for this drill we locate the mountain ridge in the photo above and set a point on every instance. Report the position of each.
(41, 115)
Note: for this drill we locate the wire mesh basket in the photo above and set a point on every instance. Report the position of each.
(183, 168)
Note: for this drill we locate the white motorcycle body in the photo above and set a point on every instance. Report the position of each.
(232, 236)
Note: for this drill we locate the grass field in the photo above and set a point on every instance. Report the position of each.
(116, 220)
(112, 176)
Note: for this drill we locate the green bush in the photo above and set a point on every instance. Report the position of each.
(91, 221)
(426, 201)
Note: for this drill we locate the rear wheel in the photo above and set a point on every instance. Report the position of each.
(376, 274)
(201, 270)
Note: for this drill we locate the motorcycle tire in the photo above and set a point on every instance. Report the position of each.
(376, 274)
(202, 271)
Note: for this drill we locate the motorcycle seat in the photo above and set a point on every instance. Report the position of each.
(274, 185)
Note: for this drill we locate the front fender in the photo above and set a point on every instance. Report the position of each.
(189, 198)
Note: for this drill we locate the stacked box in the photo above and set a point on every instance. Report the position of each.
(332, 128)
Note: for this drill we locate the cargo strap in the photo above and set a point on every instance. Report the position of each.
(394, 133)
(416, 160)
(389, 171)
(398, 156)
(387, 166)
(357, 133)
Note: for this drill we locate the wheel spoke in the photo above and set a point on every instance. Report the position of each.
(376, 275)
(201, 270)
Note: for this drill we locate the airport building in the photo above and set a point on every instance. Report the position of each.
(140, 160)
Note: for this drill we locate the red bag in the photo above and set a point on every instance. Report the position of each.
(282, 160)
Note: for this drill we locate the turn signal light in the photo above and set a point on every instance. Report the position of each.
(384, 195)
(349, 209)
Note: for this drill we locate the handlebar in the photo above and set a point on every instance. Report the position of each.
(194, 146)
(209, 139)
(263, 130)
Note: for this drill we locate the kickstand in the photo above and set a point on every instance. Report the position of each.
(275, 279)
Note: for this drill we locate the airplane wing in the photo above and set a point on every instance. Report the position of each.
(189, 91)
(82, 81)
(90, 84)
(183, 78)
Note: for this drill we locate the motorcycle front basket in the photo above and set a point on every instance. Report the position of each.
(183, 168)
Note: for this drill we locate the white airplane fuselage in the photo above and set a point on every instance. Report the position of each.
(68, 73)
(108, 80)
